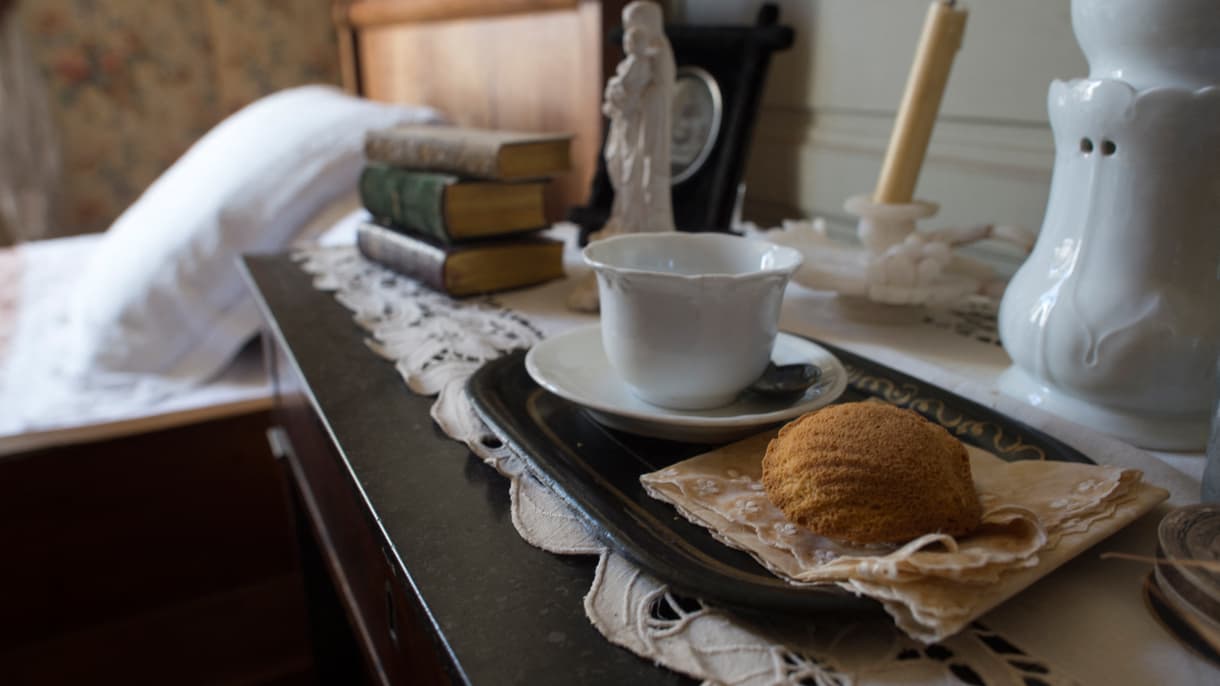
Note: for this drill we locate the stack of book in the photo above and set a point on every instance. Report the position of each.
(460, 208)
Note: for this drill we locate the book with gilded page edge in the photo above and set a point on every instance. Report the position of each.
(449, 208)
(466, 268)
(481, 153)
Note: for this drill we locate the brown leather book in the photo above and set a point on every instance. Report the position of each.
(462, 269)
(478, 153)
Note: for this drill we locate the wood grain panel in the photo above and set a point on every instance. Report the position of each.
(249, 635)
(366, 13)
(166, 550)
(540, 71)
(385, 620)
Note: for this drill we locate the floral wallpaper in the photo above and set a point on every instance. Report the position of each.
(134, 82)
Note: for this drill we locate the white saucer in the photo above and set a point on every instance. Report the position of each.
(573, 366)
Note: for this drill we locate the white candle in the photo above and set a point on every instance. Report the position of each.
(942, 36)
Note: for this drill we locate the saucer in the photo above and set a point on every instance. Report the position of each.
(573, 366)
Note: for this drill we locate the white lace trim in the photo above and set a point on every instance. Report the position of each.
(436, 343)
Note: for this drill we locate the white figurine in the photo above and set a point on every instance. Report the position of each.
(624, 161)
(638, 100)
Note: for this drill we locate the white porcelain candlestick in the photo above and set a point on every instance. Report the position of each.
(884, 224)
(1114, 320)
(899, 265)
(902, 268)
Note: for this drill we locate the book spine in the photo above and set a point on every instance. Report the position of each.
(410, 199)
(403, 254)
(464, 157)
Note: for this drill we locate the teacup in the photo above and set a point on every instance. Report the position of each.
(689, 320)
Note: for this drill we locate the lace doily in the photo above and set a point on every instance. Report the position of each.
(975, 318)
(436, 343)
(935, 585)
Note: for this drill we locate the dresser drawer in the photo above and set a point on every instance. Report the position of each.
(380, 608)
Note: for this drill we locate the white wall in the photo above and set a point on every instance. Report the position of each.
(830, 101)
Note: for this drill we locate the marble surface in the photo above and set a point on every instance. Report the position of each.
(504, 611)
(937, 349)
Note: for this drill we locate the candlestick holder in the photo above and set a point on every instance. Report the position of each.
(884, 224)
(896, 264)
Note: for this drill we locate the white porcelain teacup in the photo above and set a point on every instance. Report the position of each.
(689, 320)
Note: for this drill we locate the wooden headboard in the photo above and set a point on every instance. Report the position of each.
(530, 65)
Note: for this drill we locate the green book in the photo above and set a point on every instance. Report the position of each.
(450, 208)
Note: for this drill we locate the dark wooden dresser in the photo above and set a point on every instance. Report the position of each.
(414, 571)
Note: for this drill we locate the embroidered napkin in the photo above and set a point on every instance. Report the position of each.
(1036, 515)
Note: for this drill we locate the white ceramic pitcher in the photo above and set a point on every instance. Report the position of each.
(1114, 320)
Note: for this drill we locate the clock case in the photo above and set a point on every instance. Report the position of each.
(737, 58)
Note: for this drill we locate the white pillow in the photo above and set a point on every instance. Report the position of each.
(163, 293)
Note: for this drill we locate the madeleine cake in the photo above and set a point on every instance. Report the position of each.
(871, 472)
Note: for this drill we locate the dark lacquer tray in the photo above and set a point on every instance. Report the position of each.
(597, 470)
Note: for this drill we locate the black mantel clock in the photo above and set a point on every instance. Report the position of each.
(719, 82)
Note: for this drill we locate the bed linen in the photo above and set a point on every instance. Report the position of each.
(40, 408)
(10, 275)
(163, 295)
(152, 318)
